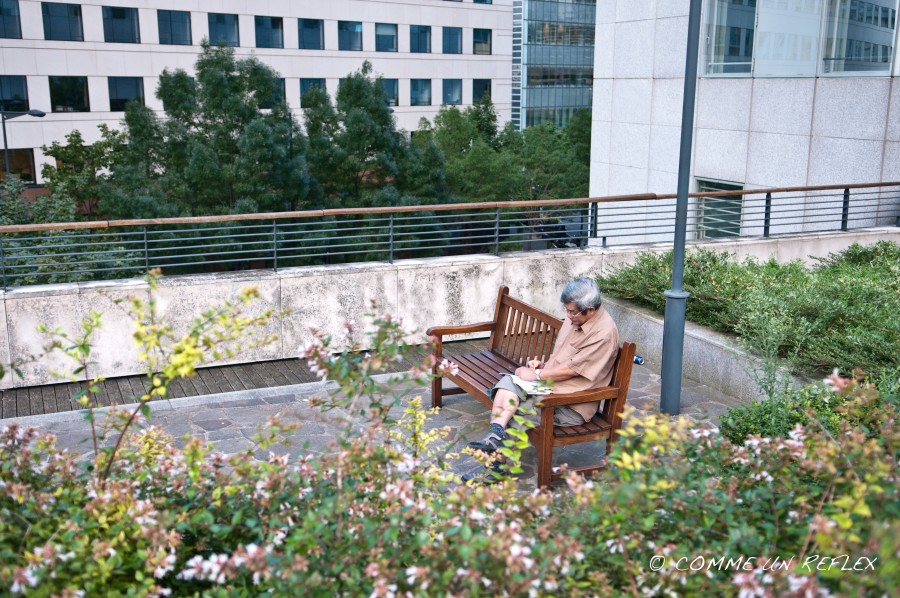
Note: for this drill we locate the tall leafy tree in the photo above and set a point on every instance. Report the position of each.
(223, 147)
(357, 156)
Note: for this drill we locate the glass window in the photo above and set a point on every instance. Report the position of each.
(481, 41)
(787, 39)
(350, 36)
(123, 90)
(480, 88)
(69, 94)
(731, 29)
(223, 30)
(452, 40)
(13, 93)
(452, 92)
(391, 91)
(10, 25)
(269, 32)
(277, 96)
(307, 84)
(420, 92)
(62, 22)
(312, 34)
(21, 164)
(385, 37)
(174, 27)
(483, 1)
(855, 44)
(420, 39)
(120, 25)
(719, 216)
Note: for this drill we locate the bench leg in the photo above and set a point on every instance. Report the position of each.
(436, 392)
(544, 466)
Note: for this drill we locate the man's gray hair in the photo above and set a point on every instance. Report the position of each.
(583, 292)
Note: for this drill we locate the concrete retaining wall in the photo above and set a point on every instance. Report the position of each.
(423, 292)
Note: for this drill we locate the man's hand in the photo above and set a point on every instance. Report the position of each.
(535, 364)
(526, 373)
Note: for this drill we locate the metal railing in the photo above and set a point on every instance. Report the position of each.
(49, 253)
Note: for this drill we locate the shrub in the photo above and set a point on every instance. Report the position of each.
(840, 313)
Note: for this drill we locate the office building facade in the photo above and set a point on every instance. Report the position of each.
(553, 60)
(81, 63)
(789, 93)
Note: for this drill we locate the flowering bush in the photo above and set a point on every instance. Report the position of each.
(680, 511)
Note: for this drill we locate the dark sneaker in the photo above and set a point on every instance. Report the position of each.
(486, 474)
(489, 443)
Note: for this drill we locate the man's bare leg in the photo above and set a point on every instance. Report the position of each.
(504, 406)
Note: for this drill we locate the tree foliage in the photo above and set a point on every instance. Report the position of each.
(358, 157)
(219, 150)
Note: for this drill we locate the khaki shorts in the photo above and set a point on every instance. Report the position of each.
(562, 416)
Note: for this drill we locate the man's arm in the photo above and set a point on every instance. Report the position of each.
(557, 373)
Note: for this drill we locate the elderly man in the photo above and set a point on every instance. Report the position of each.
(582, 358)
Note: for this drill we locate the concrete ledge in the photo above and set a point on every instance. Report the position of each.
(423, 292)
(710, 357)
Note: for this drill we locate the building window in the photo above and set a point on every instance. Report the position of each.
(420, 92)
(350, 36)
(480, 89)
(719, 216)
(174, 27)
(277, 96)
(10, 25)
(223, 30)
(62, 22)
(312, 34)
(21, 164)
(481, 41)
(307, 84)
(120, 25)
(858, 37)
(482, 1)
(800, 39)
(69, 94)
(452, 40)
(420, 39)
(452, 92)
(385, 37)
(391, 91)
(269, 32)
(13, 93)
(123, 90)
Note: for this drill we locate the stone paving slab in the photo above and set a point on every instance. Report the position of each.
(229, 421)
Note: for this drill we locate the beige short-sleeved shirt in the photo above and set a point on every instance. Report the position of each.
(590, 350)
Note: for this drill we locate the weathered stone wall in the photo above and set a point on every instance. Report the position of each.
(424, 292)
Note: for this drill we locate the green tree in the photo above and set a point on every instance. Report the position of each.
(219, 150)
(578, 134)
(80, 168)
(357, 156)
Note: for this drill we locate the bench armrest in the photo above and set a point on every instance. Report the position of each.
(444, 330)
(576, 398)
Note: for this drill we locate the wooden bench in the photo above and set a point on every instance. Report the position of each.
(519, 333)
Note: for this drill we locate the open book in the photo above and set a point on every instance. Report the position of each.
(532, 388)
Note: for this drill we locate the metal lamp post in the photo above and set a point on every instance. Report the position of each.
(676, 297)
(6, 115)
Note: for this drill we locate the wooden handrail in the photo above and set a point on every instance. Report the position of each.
(267, 216)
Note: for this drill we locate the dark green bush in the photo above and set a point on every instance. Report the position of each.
(841, 313)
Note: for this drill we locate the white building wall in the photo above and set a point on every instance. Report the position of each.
(755, 131)
(38, 58)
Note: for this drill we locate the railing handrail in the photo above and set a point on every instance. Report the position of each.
(104, 224)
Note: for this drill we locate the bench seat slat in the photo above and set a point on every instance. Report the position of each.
(469, 367)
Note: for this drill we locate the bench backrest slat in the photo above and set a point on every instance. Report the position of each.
(523, 332)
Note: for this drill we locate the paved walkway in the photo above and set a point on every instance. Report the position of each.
(228, 421)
